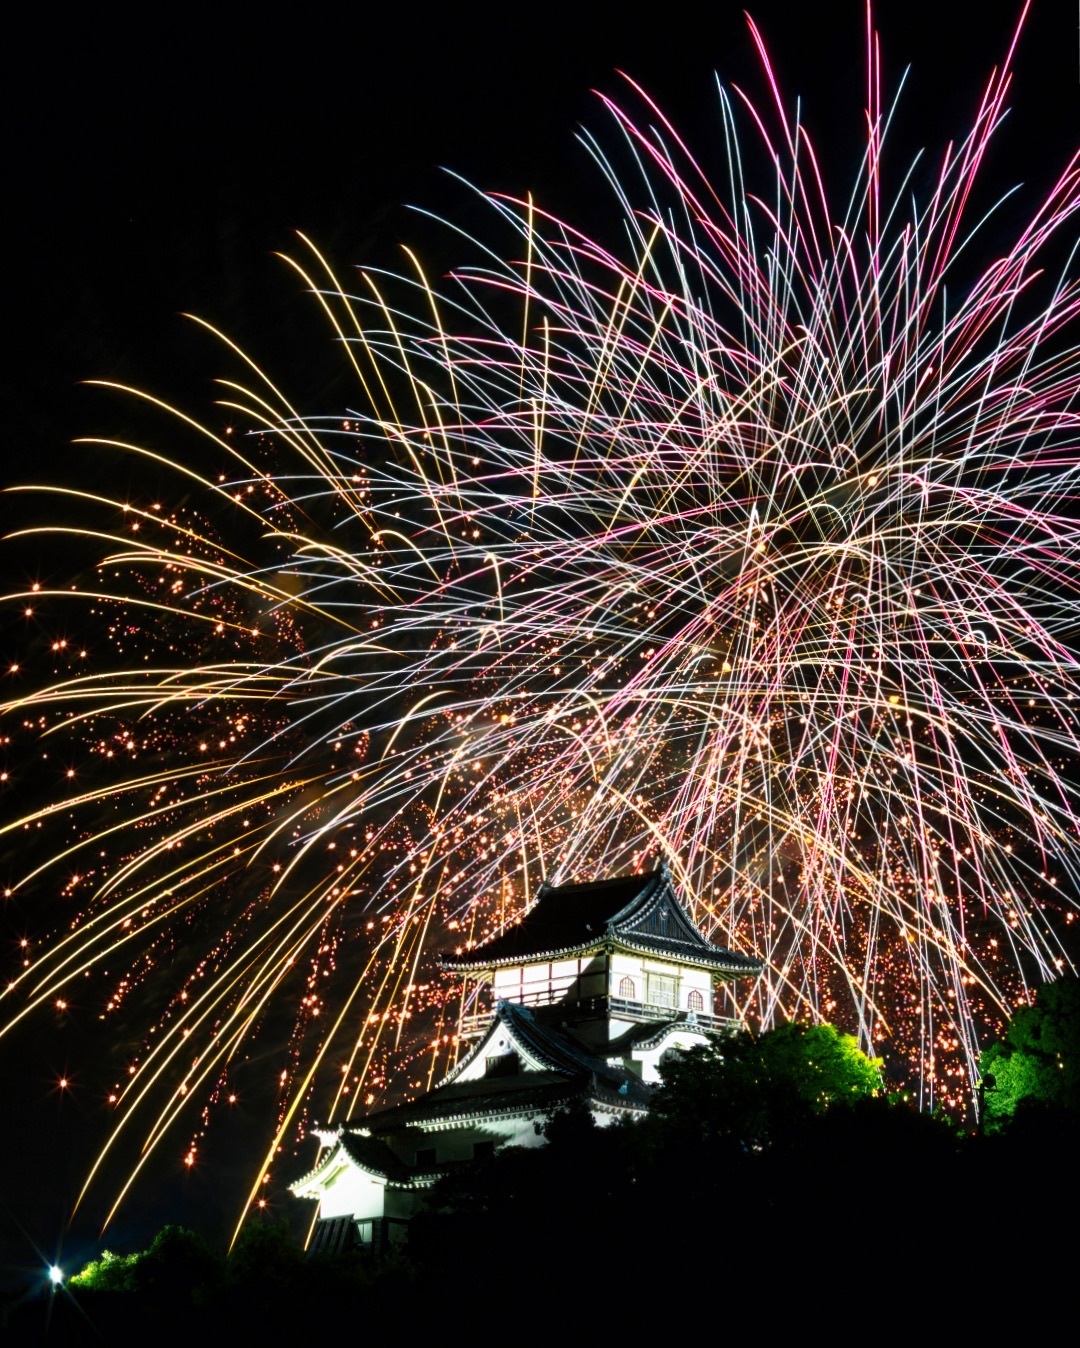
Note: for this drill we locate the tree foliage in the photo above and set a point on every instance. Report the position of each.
(750, 1091)
(1037, 1063)
(178, 1264)
(824, 1066)
(111, 1273)
(752, 1143)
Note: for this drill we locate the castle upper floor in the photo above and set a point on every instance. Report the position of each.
(606, 956)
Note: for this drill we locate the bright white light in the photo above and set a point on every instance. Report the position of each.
(56, 1274)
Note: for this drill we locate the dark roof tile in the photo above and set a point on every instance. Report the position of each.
(638, 911)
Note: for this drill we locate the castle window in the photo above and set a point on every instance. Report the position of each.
(627, 989)
(695, 1001)
(661, 990)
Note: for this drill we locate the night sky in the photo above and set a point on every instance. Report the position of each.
(155, 165)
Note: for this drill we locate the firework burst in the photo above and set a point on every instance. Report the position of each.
(747, 542)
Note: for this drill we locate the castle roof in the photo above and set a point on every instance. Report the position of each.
(560, 1070)
(366, 1153)
(640, 913)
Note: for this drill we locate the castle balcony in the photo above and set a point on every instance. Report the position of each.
(607, 1008)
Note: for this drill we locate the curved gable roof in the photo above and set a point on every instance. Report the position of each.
(640, 912)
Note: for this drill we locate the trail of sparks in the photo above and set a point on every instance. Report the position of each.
(752, 546)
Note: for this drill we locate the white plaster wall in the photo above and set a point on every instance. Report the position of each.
(699, 980)
(603, 1119)
(352, 1192)
(518, 1132)
(456, 1142)
(626, 966)
(495, 1047)
(594, 977)
(561, 980)
(647, 1061)
(563, 972)
(613, 1027)
(506, 985)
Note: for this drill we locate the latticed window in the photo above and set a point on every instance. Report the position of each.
(662, 990)
(695, 1001)
(627, 989)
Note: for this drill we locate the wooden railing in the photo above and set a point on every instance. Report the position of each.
(623, 1008)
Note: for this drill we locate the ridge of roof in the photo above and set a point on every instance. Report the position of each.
(647, 1034)
(491, 1103)
(552, 1045)
(641, 911)
(542, 1043)
(369, 1153)
(566, 1064)
(554, 1056)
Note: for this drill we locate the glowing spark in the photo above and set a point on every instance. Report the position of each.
(751, 547)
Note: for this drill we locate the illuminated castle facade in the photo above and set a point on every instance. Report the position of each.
(591, 989)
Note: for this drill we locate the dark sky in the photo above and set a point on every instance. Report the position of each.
(156, 162)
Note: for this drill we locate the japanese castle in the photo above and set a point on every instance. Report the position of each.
(591, 989)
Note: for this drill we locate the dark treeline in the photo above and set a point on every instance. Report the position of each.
(773, 1185)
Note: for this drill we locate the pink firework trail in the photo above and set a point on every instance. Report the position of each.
(748, 543)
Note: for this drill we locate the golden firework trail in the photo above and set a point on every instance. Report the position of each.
(748, 543)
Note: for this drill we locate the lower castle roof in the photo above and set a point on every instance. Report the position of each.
(567, 1070)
